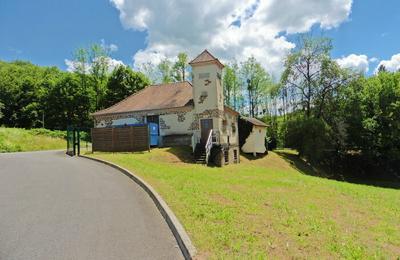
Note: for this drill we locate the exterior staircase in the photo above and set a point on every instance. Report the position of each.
(200, 154)
(202, 151)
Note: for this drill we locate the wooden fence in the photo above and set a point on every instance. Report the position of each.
(120, 139)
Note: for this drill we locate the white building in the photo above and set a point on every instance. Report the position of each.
(185, 114)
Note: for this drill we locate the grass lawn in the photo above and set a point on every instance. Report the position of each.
(267, 208)
(19, 140)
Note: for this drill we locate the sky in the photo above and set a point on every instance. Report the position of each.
(365, 33)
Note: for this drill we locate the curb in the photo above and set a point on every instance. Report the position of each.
(184, 242)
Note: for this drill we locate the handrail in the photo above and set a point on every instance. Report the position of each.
(209, 144)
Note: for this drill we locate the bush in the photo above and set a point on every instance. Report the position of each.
(310, 137)
(46, 132)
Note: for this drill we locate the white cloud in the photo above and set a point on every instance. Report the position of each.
(391, 65)
(373, 60)
(355, 62)
(108, 47)
(73, 65)
(230, 29)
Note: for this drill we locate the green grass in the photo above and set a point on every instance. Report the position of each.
(267, 208)
(20, 140)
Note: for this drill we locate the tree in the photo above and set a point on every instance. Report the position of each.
(1, 108)
(231, 83)
(180, 67)
(151, 72)
(69, 103)
(257, 81)
(382, 68)
(165, 70)
(303, 71)
(92, 65)
(123, 82)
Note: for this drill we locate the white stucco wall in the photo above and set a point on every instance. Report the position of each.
(228, 130)
(126, 121)
(174, 126)
(205, 81)
(255, 142)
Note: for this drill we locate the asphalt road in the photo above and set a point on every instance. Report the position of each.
(53, 206)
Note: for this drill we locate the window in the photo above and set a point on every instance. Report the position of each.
(233, 128)
(235, 155)
(226, 156)
(204, 75)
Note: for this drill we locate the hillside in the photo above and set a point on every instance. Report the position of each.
(270, 207)
(20, 140)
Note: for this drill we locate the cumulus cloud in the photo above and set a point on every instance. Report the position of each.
(112, 64)
(231, 29)
(355, 62)
(373, 60)
(391, 65)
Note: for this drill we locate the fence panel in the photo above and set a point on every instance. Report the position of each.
(121, 139)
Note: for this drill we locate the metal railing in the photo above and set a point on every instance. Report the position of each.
(209, 145)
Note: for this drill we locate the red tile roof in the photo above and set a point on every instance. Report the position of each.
(254, 121)
(205, 57)
(154, 97)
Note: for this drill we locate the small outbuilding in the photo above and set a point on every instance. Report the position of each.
(252, 134)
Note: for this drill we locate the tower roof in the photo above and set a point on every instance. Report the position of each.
(206, 57)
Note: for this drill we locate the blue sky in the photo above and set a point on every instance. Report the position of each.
(46, 32)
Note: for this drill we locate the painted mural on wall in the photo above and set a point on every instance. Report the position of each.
(163, 125)
(209, 113)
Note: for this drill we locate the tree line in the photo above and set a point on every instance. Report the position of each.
(335, 117)
(332, 116)
(32, 96)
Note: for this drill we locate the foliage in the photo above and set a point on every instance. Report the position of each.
(309, 136)
(33, 96)
(180, 67)
(371, 109)
(166, 72)
(257, 81)
(1, 108)
(303, 74)
(123, 82)
(267, 208)
(18, 140)
(232, 86)
(69, 103)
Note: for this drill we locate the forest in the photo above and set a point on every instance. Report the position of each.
(337, 118)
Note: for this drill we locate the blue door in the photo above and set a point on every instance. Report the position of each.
(153, 129)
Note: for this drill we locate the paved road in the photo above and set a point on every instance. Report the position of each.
(56, 207)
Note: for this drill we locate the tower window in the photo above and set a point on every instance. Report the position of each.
(204, 75)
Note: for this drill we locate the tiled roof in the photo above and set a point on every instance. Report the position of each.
(254, 121)
(205, 56)
(154, 97)
(231, 110)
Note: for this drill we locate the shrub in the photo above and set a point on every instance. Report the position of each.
(310, 137)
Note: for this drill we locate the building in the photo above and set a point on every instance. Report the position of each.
(252, 135)
(182, 113)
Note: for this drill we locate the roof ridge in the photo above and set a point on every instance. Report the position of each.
(205, 51)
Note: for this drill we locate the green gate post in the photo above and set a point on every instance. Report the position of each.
(79, 142)
(73, 142)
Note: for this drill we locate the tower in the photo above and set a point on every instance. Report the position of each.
(207, 87)
(208, 96)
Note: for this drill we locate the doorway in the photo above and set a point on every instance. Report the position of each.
(154, 130)
(205, 126)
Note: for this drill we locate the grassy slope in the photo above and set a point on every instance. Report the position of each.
(267, 208)
(18, 140)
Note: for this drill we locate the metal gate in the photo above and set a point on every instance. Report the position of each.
(75, 136)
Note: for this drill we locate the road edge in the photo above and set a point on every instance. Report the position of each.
(180, 234)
